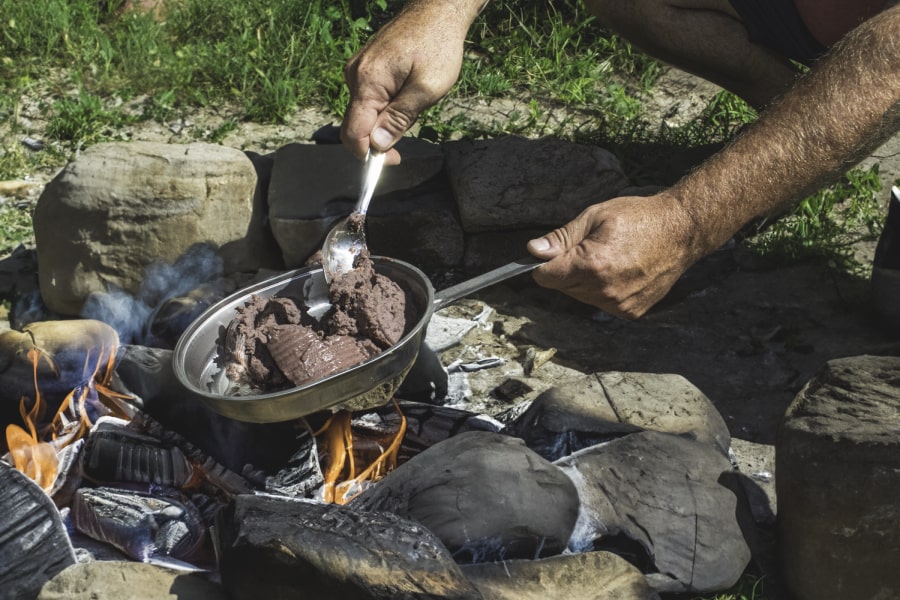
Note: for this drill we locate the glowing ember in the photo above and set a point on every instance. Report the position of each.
(342, 483)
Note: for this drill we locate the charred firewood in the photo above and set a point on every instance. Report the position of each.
(139, 524)
(119, 454)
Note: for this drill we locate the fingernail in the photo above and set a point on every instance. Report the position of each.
(539, 245)
(382, 138)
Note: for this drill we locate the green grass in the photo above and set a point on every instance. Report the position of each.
(15, 226)
(97, 69)
(749, 587)
(268, 57)
(826, 225)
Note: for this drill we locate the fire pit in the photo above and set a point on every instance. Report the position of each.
(161, 478)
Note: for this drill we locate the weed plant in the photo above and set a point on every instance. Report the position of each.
(826, 225)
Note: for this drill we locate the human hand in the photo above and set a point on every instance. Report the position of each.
(622, 255)
(410, 64)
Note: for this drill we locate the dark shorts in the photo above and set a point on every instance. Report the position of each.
(777, 25)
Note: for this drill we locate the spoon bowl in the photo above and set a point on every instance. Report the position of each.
(347, 239)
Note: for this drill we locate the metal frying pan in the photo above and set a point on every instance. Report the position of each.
(367, 385)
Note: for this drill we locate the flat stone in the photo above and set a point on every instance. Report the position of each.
(412, 215)
(585, 576)
(114, 580)
(485, 251)
(838, 484)
(515, 183)
(596, 408)
(665, 402)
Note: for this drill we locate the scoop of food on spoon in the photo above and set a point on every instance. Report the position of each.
(347, 239)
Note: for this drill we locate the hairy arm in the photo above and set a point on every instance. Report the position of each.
(830, 120)
(623, 255)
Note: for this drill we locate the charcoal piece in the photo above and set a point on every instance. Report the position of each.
(69, 475)
(33, 542)
(117, 454)
(303, 475)
(426, 424)
(511, 389)
(484, 495)
(140, 525)
(330, 551)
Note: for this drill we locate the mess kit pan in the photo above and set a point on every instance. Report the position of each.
(369, 384)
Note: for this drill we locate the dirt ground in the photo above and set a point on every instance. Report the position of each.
(748, 338)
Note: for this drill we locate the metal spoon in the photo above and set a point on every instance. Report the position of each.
(348, 239)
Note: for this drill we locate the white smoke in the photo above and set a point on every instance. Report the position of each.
(131, 315)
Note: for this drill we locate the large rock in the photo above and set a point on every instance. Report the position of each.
(667, 503)
(412, 215)
(120, 207)
(484, 495)
(515, 183)
(278, 548)
(599, 407)
(68, 354)
(585, 576)
(838, 464)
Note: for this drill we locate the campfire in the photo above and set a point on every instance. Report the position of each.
(350, 461)
(36, 451)
(343, 451)
(140, 468)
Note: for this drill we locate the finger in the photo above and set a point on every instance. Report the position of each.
(397, 117)
(562, 239)
(355, 128)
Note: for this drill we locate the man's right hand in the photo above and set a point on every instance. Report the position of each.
(410, 64)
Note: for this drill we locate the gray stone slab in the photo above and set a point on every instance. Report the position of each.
(838, 484)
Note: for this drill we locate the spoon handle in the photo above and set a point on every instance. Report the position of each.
(461, 290)
(374, 163)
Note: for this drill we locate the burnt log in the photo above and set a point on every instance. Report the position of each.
(33, 542)
(270, 548)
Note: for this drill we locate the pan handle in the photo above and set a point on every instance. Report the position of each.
(461, 290)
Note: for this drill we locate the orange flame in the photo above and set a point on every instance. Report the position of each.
(338, 439)
(34, 452)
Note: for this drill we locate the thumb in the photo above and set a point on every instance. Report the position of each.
(394, 121)
(544, 247)
(557, 241)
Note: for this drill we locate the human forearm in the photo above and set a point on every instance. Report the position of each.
(832, 118)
